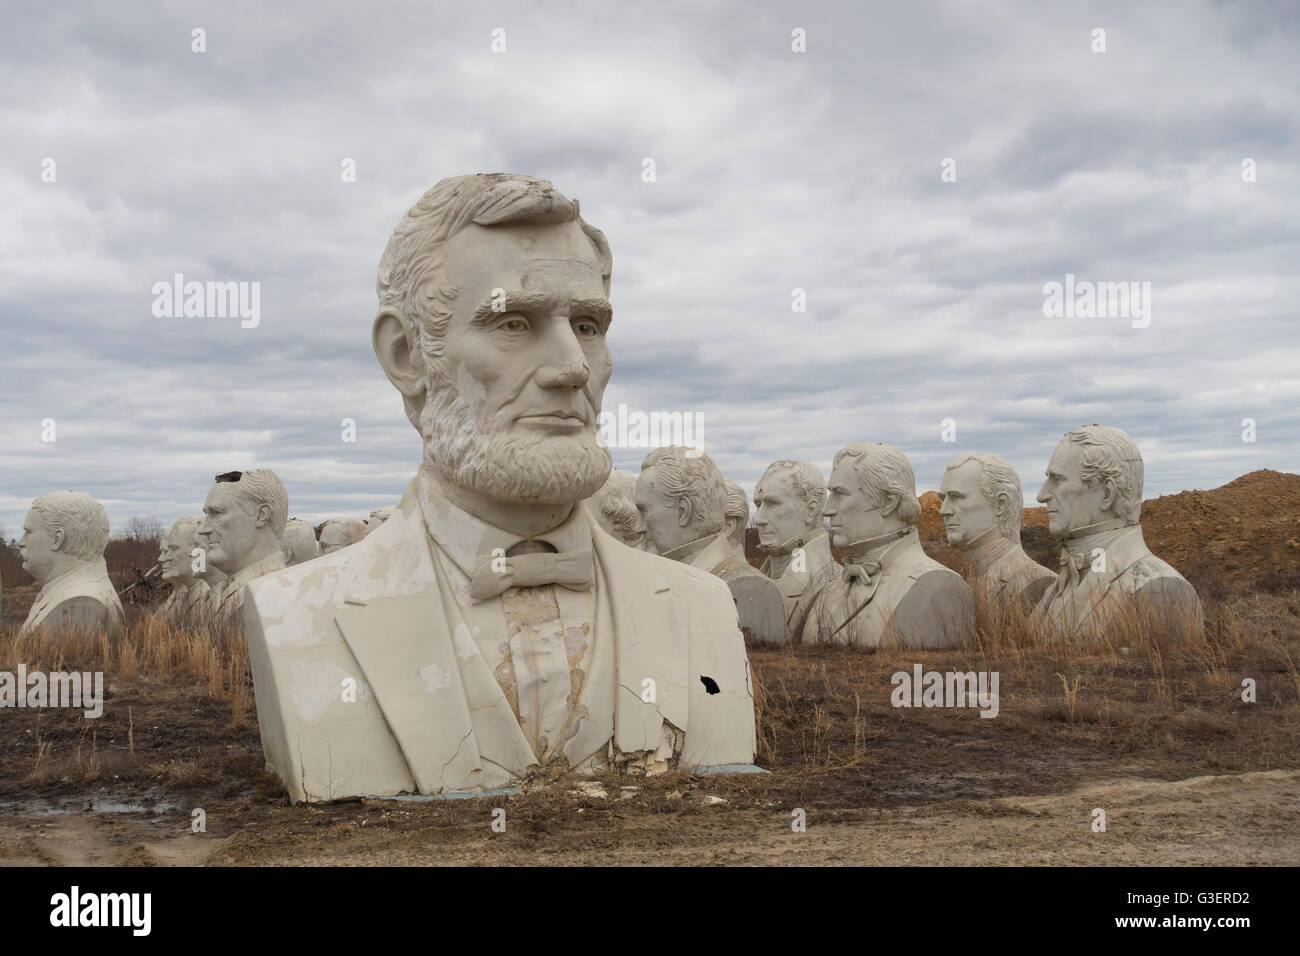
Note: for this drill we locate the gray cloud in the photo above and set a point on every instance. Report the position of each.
(775, 170)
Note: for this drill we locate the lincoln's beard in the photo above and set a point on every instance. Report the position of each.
(473, 450)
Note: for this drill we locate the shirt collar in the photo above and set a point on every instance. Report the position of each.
(988, 547)
(469, 540)
(89, 571)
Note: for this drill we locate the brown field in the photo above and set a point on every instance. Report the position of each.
(1154, 733)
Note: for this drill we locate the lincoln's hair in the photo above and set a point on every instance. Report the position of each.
(884, 470)
(81, 518)
(997, 477)
(1109, 453)
(261, 487)
(806, 480)
(411, 282)
(695, 477)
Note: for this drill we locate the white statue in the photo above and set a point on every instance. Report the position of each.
(190, 593)
(62, 547)
(1093, 495)
(339, 533)
(298, 543)
(890, 592)
(243, 518)
(614, 508)
(684, 498)
(792, 533)
(487, 631)
(736, 514)
(378, 517)
(982, 512)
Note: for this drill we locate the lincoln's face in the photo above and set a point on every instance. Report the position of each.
(966, 512)
(854, 513)
(228, 529)
(1071, 504)
(36, 547)
(526, 340)
(780, 514)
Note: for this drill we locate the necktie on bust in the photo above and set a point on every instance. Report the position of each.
(861, 574)
(575, 570)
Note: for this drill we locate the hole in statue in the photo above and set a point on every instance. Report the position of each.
(710, 684)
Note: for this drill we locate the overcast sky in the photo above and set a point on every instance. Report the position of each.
(774, 170)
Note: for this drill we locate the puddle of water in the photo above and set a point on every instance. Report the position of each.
(106, 804)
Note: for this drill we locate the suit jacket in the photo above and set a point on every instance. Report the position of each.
(912, 596)
(758, 602)
(799, 589)
(1001, 567)
(82, 597)
(1133, 581)
(430, 717)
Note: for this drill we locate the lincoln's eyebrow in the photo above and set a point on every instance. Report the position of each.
(598, 308)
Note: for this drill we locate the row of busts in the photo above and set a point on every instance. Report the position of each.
(208, 559)
(889, 591)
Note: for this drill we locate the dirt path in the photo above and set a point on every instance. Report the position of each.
(1251, 818)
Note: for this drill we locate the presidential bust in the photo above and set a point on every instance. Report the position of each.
(62, 547)
(683, 497)
(788, 501)
(339, 533)
(189, 592)
(489, 632)
(982, 510)
(298, 542)
(1109, 578)
(890, 593)
(243, 518)
(614, 508)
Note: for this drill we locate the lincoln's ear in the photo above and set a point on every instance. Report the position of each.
(393, 348)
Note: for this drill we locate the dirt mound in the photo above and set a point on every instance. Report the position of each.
(1245, 533)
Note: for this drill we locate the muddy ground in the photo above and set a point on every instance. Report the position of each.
(1160, 739)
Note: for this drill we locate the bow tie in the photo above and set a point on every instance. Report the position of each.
(574, 570)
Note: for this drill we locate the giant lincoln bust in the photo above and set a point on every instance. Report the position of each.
(490, 630)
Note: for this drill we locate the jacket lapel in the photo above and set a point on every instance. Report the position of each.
(442, 704)
(650, 641)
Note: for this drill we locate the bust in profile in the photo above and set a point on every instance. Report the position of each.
(339, 533)
(491, 632)
(789, 498)
(243, 518)
(1109, 578)
(189, 592)
(683, 497)
(298, 542)
(982, 511)
(62, 547)
(614, 508)
(890, 593)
